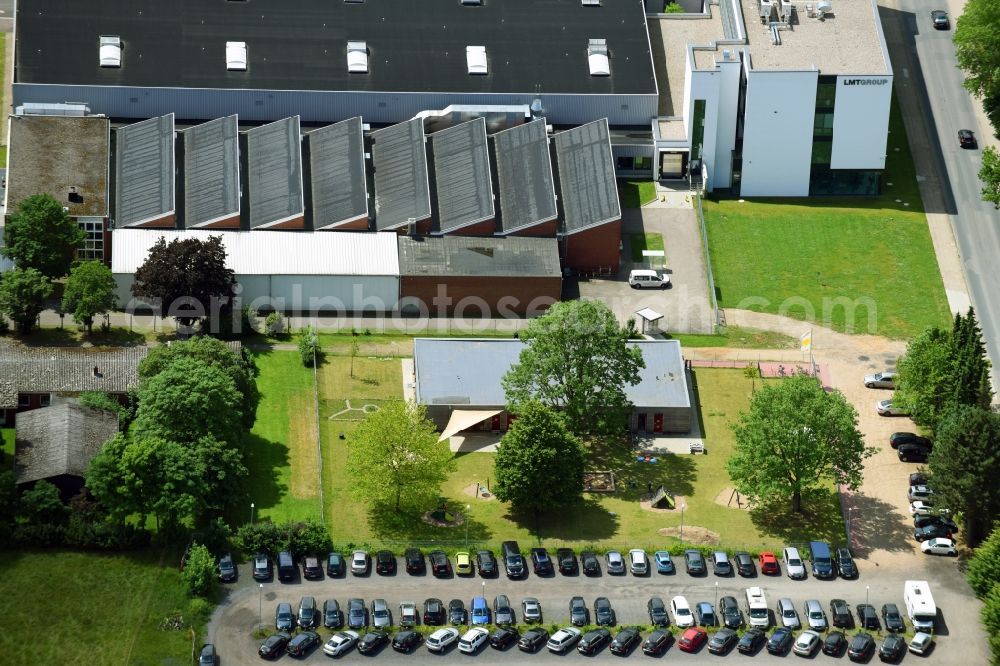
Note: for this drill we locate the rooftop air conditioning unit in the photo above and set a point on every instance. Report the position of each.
(111, 51)
(591, 3)
(475, 58)
(236, 56)
(597, 57)
(357, 57)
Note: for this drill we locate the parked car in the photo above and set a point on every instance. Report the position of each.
(861, 648)
(407, 641)
(335, 566)
(567, 562)
(885, 379)
(385, 563)
(892, 620)
(578, 613)
(340, 643)
(303, 644)
(720, 564)
(614, 562)
(657, 612)
(372, 642)
(786, 614)
(920, 643)
(592, 641)
(694, 562)
(591, 565)
(966, 138)
(681, 611)
(208, 655)
(664, 563)
(513, 561)
(750, 641)
(932, 532)
(503, 638)
(408, 616)
(502, 611)
(723, 641)
(357, 614)
(563, 640)
(912, 453)
(442, 639)
(284, 619)
(638, 562)
(479, 612)
(793, 563)
(867, 618)
(939, 547)
(892, 648)
(918, 479)
(815, 617)
(604, 614)
(473, 640)
(227, 570)
(925, 520)
(274, 645)
(531, 610)
(440, 565)
(625, 641)
(414, 559)
(381, 615)
(939, 19)
(692, 639)
(919, 493)
(769, 563)
(311, 568)
(729, 609)
(705, 614)
(898, 438)
(835, 643)
(658, 641)
(463, 564)
(308, 613)
(360, 563)
(840, 613)
(744, 565)
(806, 643)
(780, 641)
(433, 612)
(286, 566)
(845, 563)
(487, 563)
(533, 639)
(261, 567)
(541, 563)
(886, 408)
(924, 508)
(456, 611)
(332, 617)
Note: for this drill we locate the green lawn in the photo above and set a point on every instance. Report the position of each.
(737, 338)
(636, 193)
(640, 242)
(860, 265)
(92, 608)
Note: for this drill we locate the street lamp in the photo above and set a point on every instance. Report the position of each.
(716, 595)
(867, 589)
(683, 506)
(260, 606)
(251, 513)
(484, 589)
(467, 508)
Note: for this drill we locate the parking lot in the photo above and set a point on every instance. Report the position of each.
(249, 604)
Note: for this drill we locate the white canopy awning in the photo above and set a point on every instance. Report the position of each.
(466, 418)
(649, 314)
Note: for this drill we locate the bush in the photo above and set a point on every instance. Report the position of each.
(199, 572)
(274, 324)
(298, 537)
(42, 505)
(199, 611)
(258, 538)
(308, 537)
(99, 400)
(673, 8)
(983, 573)
(42, 534)
(309, 350)
(215, 535)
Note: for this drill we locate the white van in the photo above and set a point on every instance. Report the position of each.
(647, 279)
(757, 608)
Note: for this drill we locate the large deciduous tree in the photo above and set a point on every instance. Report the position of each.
(977, 48)
(576, 359)
(395, 458)
(23, 292)
(794, 437)
(41, 235)
(89, 292)
(539, 463)
(983, 572)
(188, 278)
(989, 173)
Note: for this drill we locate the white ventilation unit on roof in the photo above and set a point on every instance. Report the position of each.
(475, 58)
(357, 57)
(236, 56)
(597, 57)
(472, 2)
(111, 51)
(591, 3)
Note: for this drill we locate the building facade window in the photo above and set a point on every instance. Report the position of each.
(93, 244)
(698, 129)
(23, 400)
(45, 399)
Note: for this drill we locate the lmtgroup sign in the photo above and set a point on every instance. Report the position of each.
(865, 82)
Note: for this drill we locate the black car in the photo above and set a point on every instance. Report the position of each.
(604, 614)
(898, 438)
(406, 641)
(487, 563)
(729, 609)
(939, 19)
(433, 612)
(227, 570)
(867, 618)
(440, 565)
(892, 619)
(840, 614)
(592, 641)
(456, 611)
(744, 565)
(625, 642)
(845, 563)
(335, 566)
(533, 639)
(750, 641)
(541, 563)
(924, 521)
(311, 568)
(208, 655)
(780, 641)
(274, 645)
(862, 647)
(567, 562)
(918, 479)
(694, 562)
(657, 642)
(503, 637)
(261, 567)
(591, 565)
(834, 644)
(332, 617)
(966, 138)
(578, 613)
(912, 453)
(414, 559)
(303, 644)
(357, 614)
(657, 612)
(284, 618)
(892, 649)
(705, 614)
(385, 563)
(308, 613)
(723, 641)
(932, 532)
(372, 642)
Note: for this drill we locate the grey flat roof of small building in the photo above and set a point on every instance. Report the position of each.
(337, 167)
(50, 154)
(486, 257)
(587, 176)
(468, 372)
(211, 171)
(462, 176)
(144, 171)
(524, 174)
(399, 160)
(274, 172)
(301, 44)
(58, 440)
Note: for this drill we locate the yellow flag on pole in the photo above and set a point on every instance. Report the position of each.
(806, 341)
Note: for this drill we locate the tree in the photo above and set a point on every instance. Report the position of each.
(23, 292)
(188, 278)
(794, 437)
(964, 465)
(577, 360)
(199, 572)
(41, 505)
(990, 616)
(210, 351)
(395, 457)
(977, 48)
(100, 400)
(924, 381)
(309, 350)
(539, 463)
(983, 572)
(90, 291)
(41, 235)
(989, 173)
(972, 367)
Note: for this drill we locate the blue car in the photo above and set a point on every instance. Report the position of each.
(664, 564)
(480, 611)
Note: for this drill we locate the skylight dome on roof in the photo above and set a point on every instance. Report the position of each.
(357, 57)
(236, 56)
(111, 51)
(475, 57)
(597, 57)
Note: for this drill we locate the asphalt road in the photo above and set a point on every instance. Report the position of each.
(247, 605)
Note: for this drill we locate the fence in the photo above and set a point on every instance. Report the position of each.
(720, 319)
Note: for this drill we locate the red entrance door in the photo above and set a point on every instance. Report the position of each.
(657, 422)
(642, 422)
(510, 420)
(495, 423)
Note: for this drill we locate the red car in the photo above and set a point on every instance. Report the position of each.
(769, 563)
(692, 639)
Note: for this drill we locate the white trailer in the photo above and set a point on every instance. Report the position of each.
(920, 605)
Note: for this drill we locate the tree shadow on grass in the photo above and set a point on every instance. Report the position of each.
(262, 459)
(676, 473)
(820, 519)
(586, 520)
(407, 525)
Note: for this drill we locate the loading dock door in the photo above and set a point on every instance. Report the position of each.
(673, 166)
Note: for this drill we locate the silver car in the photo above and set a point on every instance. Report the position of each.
(531, 610)
(881, 380)
(815, 615)
(615, 562)
(786, 613)
(381, 615)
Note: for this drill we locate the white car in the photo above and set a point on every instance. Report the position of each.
(563, 639)
(359, 562)
(886, 408)
(681, 610)
(920, 643)
(807, 642)
(638, 562)
(441, 639)
(939, 547)
(340, 643)
(472, 640)
(916, 493)
(793, 563)
(922, 508)
(881, 380)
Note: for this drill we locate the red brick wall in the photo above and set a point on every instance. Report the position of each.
(595, 249)
(543, 229)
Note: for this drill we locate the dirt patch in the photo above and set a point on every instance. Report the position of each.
(730, 499)
(477, 490)
(699, 536)
(302, 447)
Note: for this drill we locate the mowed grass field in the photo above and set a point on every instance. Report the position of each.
(859, 265)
